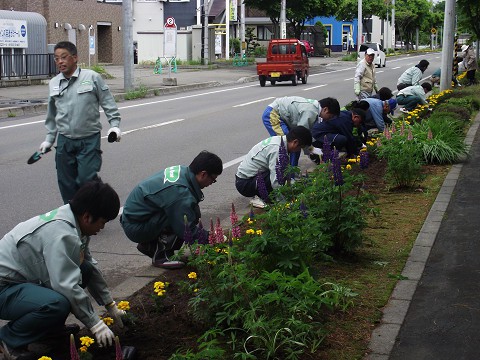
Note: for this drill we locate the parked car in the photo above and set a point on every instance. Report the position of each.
(402, 45)
(308, 47)
(380, 58)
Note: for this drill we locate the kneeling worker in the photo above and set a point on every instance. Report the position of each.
(262, 158)
(153, 215)
(45, 267)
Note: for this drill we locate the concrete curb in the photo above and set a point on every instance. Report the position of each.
(41, 108)
(384, 336)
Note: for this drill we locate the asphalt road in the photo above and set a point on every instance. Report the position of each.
(160, 132)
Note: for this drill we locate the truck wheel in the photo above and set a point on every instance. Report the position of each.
(262, 81)
(304, 79)
(294, 80)
(273, 82)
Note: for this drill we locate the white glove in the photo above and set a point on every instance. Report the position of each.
(316, 151)
(44, 146)
(117, 131)
(356, 88)
(115, 313)
(103, 334)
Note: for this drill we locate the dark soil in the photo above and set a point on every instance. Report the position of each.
(158, 333)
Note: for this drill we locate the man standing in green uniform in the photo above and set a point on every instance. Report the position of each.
(73, 113)
(153, 215)
(45, 267)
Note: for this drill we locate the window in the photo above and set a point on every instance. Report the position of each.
(264, 32)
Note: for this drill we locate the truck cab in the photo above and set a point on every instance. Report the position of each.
(287, 60)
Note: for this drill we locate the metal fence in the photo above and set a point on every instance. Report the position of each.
(23, 66)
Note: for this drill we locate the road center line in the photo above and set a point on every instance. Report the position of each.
(149, 127)
(315, 87)
(253, 102)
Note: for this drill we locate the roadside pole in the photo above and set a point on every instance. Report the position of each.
(283, 19)
(447, 47)
(127, 45)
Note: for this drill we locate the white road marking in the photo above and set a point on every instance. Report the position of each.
(24, 124)
(348, 79)
(149, 127)
(253, 102)
(397, 67)
(315, 87)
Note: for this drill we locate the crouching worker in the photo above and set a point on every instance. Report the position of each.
(153, 215)
(262, 158)
(339, 131)
(45, 267)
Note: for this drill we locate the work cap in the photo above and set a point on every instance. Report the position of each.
(370, 51)
(464, 47)
(392, 103)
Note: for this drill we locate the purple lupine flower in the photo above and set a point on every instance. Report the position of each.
(118, 349)
(262, 188)
(326, 150)
(282, 163)
(393, 128)
(252, 213)
(364, 159)
(429, 135)
(211, 234)
(379, 143)
(402, 129)
(234, 219)
(218, 232)
(337, 169)
(202, 234)
(410, 135)
(303, 209)
(187, 232)
(73, 349)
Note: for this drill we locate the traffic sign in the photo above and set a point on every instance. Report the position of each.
(433, 31)
(170, 23)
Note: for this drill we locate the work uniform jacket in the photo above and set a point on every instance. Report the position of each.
(73, 105)
(365, 76)
(159, 203)
(262, 157)
(297, 111)
(48, 250)
(411, 76)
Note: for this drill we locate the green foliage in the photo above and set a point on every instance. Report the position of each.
(235, 45)
(445, 143)
(251, 40)
(139, 93)
(404, 159)
(101, 70)
(11, 114)
(350, 57)
(260, 51)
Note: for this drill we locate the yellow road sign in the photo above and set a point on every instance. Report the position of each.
(433, 31)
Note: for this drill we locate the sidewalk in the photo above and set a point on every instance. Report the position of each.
(31, 99)
(434, 313)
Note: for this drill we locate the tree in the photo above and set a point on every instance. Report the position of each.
(469, 13)
(298, 11)
(411, 15)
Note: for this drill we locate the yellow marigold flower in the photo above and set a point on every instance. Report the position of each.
(249, 221)
(195, 290)
(123, 305)
(83, 349)
(45, 358)
(108, 321)
(407, 122)
(287, 206)
(352, 160)
(86, 341)
(192, 275)
(348, 167)
(250, 231)
(161, 292)
(370, 143)
(363, 149)
(159, 285)
(259, 232)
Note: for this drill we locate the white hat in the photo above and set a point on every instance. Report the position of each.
(464, 47)
(370, 51)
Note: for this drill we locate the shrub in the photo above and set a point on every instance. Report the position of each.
(404, 158)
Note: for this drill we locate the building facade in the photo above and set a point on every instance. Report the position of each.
(78, 21)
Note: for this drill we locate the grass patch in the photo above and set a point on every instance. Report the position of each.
(101, 70)
(375, 270)
(139, 93)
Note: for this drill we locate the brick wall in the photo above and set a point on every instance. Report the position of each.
(109, 40)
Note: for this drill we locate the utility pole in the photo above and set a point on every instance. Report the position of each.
(283, 19)
(227, 29)
(447, 47)
(359, 25)
(393, 24)
(242, 27)
(127, 45)
(206, 33)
